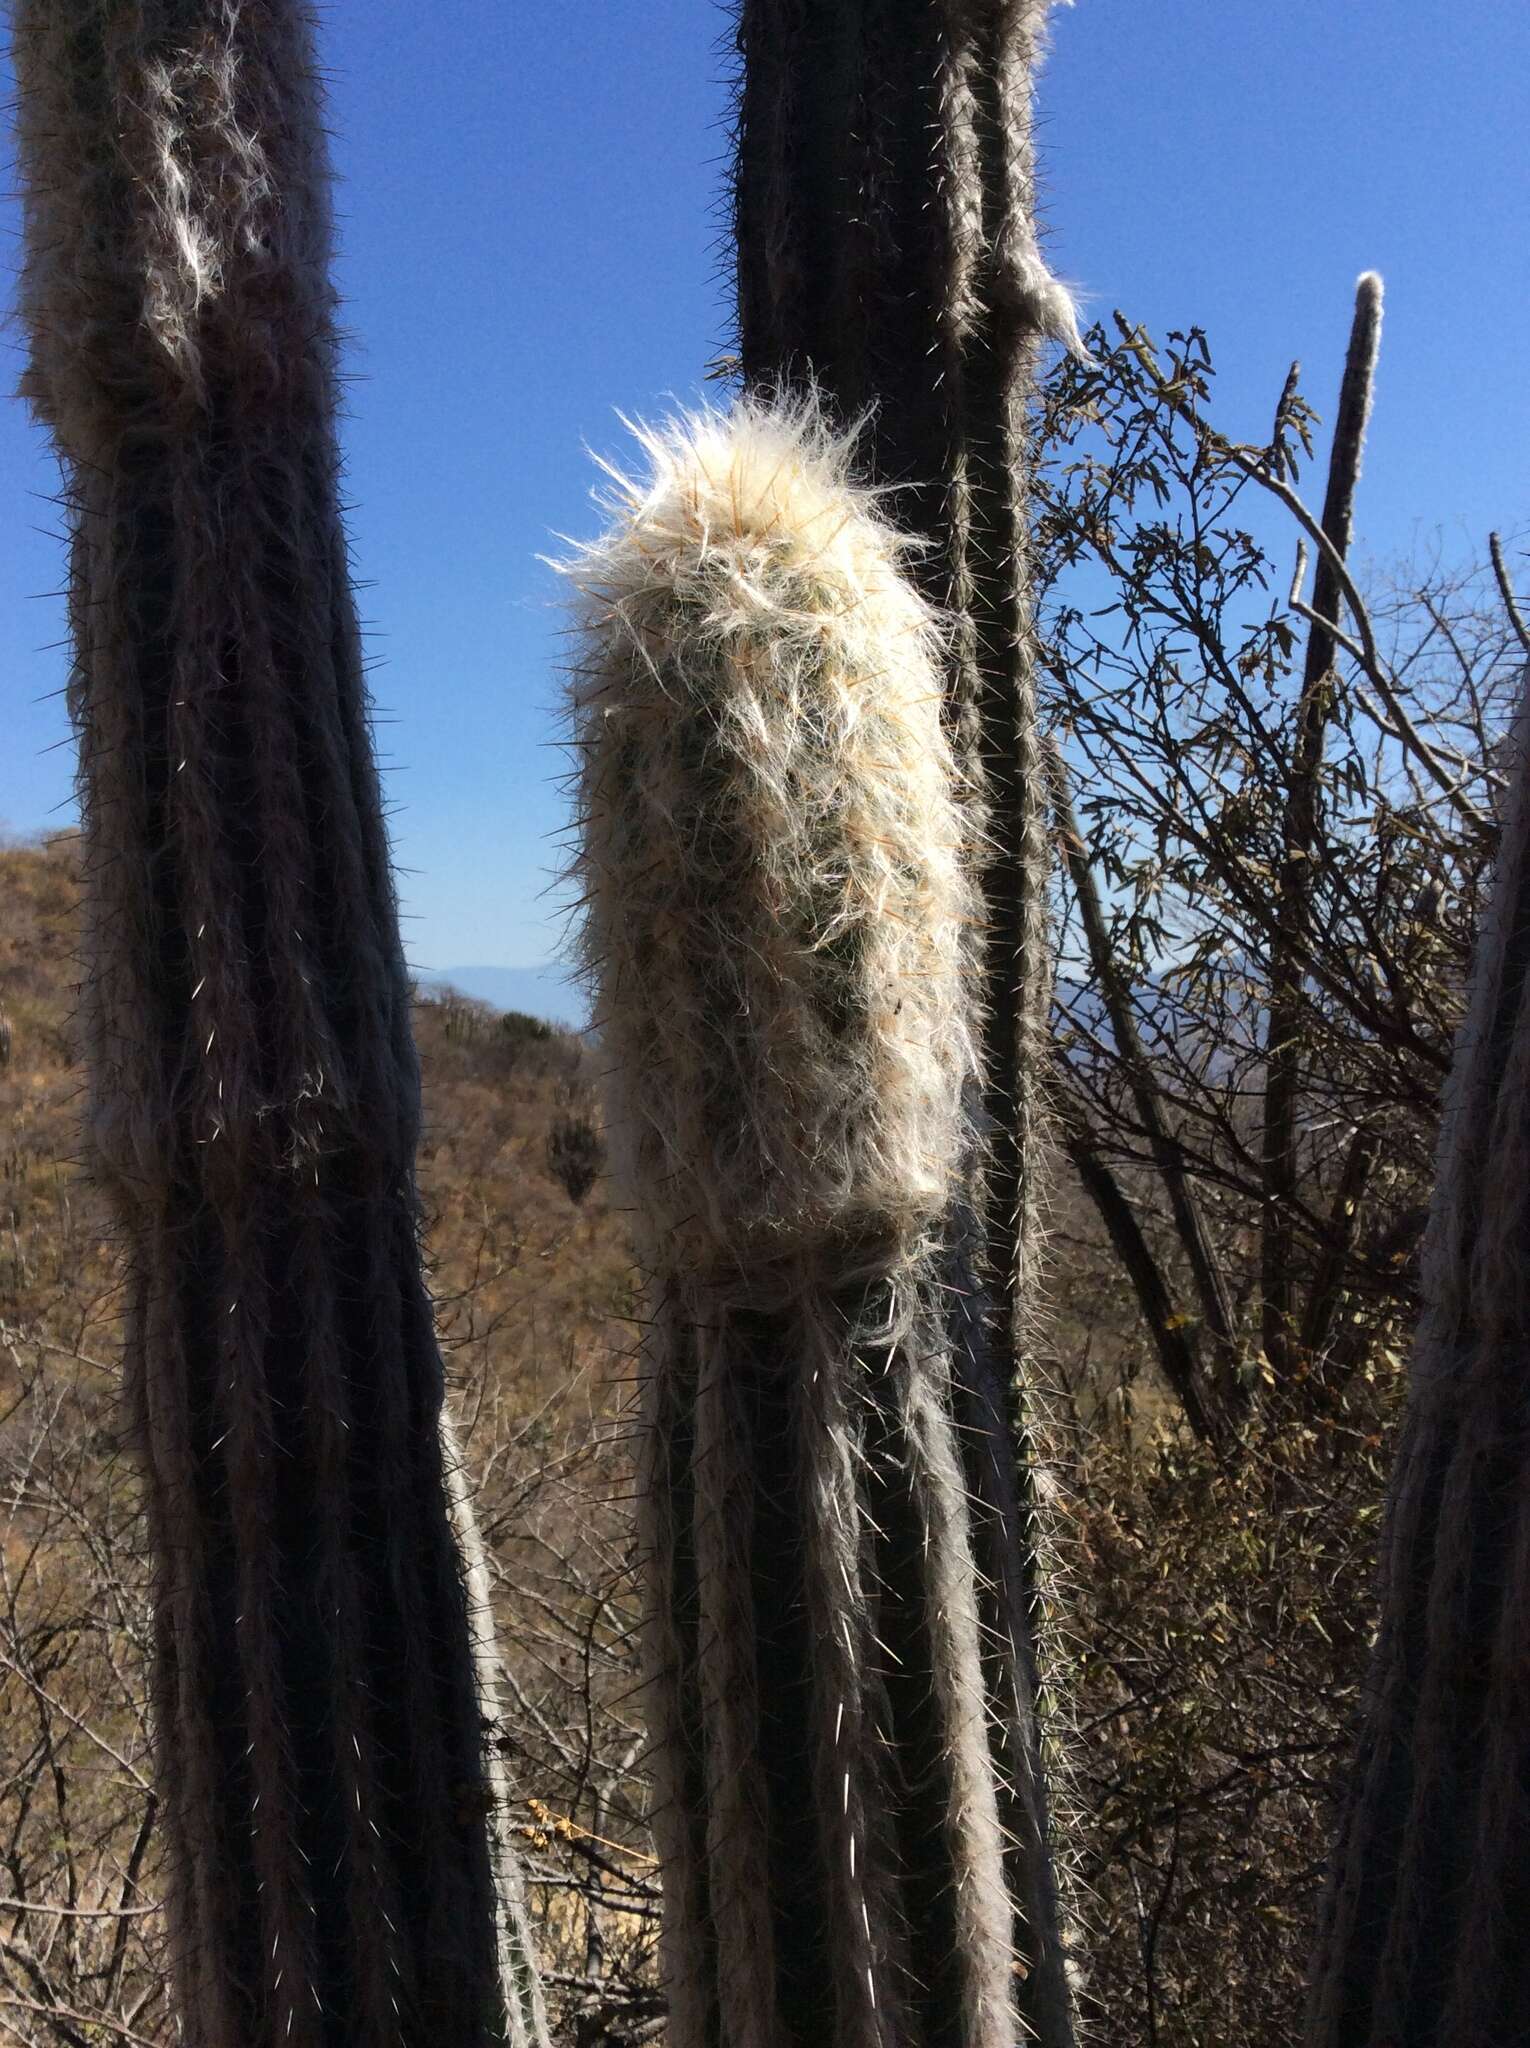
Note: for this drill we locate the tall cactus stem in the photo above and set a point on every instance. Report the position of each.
(888, 256)
(1296, 879)
(779, 929)
(254, 1091)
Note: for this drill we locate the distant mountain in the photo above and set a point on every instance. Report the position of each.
(550, 991)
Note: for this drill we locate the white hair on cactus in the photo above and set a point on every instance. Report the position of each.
(779, 914)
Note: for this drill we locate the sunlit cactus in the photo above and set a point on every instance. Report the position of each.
(324, 1796)
(888, 256)
(773, 844)
(779, 931)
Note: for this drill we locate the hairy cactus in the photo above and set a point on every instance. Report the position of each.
(323, 1787)
(779, 930)
(1421, 1942)
(887, 254)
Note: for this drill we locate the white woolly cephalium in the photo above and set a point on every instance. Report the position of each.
(778, 916)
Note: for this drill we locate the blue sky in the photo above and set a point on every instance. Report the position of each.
(531, 240)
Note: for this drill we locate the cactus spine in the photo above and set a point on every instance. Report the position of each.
(779, 929)
(884, 216)
(254, 1090)
(1421, 1942)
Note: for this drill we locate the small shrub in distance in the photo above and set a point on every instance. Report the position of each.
(516, 1027)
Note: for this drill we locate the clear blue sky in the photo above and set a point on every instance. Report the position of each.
(529, 208)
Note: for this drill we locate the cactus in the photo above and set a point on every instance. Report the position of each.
(324, 1794)
(1421, 1940)
(779, 931)
(574, 1155)
(1295, 880)
(887, 253)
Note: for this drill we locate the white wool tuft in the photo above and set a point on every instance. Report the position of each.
(779, 910)
(779, 913)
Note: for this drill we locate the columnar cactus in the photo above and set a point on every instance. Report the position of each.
(1296, 876)
(887, 252)
(254, 1095)
(1422, 1942)
(780, 930)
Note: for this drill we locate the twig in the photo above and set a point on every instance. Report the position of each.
(77, 1912)
(1365, 651)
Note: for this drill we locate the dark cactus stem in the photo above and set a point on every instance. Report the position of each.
(1422, 1942)
(1281, 1165)
(254, 1092)
(779, 932)
(887, 252)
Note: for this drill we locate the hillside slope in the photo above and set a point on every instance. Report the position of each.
(1211, 1620)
